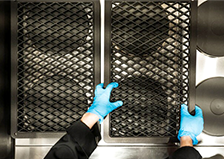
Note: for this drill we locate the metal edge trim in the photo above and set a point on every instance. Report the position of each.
(150, 0)
(40, 135)
(14, 70)
(97, 43)
(107, 37)
(192, 75)
(107, 50)
(57, 1)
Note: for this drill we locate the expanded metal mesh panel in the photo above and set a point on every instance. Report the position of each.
(150, 50)
(55, 64)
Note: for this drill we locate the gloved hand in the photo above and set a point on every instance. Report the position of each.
(101, 105)
(191, 125)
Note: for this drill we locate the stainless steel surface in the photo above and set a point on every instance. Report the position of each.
(36, 141)
(149, 152)
(102, 152)
(208, 67)
(37, 152)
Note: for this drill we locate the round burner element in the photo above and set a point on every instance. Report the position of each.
(56, 29)
(137, 32)
(210, 36)
(51, 104)
(209, 96)
(217, 106)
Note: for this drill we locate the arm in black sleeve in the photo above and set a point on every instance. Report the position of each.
(186, 152)
(78, 143)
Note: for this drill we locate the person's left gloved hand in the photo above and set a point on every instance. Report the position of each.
(101, 105)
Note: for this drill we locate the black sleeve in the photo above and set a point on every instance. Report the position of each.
(186, 152)
(78, 143)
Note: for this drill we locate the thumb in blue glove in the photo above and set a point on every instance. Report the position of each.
(101, 105)
(191, 125)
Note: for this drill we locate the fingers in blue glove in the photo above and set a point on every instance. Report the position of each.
(198, 112)
(99, 88)
(111, 86)
(109, 89)
(184, 111)
(191, 125)
(101, 105)
(117, 104)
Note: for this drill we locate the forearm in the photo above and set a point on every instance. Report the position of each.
(83, 136)
(186, 141)
(89, 119)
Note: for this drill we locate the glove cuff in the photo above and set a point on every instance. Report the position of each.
(93, 111)
(186, 133)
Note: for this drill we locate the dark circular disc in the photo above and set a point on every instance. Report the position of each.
(210, 98)
(57, 29)
(210, 34)
(139, 33)
(57, 100)
(145, 101)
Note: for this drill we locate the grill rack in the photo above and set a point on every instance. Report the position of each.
(54, 64)
(152, 85)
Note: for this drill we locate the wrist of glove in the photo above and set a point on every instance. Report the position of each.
(192, 136)
(191, 125)
(101, 105)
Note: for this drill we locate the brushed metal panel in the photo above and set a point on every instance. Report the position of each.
(207, 67)
(123, 152)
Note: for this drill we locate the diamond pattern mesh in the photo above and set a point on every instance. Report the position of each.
(150, 61)
(55, 64)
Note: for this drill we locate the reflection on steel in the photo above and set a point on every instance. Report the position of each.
(134, 152)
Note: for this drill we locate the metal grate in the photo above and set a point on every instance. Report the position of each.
(150, 50)
(55, 64)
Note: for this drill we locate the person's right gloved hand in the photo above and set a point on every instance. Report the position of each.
(191, 125)
(101, 105)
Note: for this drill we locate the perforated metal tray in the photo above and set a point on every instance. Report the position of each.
(55, 64)
(150, 52)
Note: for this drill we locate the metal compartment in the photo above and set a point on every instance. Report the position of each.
(150, 51)
(55, 64)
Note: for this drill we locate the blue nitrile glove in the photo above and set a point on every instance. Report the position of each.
(101, 105)
(191, 125)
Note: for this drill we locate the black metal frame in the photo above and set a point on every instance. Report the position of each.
(7, 143)
(56, 1)
(107, 74)
(14, 64)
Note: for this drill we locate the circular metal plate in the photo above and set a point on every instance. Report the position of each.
(210, 36)
(210, 97)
